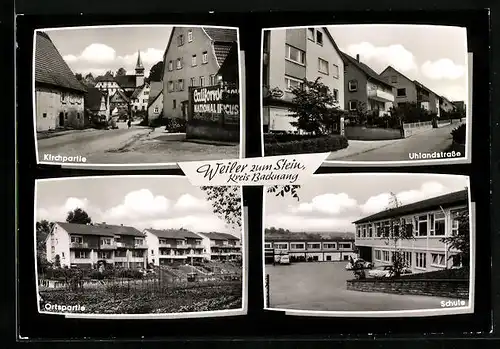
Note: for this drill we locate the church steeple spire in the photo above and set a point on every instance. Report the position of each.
(139, 65)
(139, 71)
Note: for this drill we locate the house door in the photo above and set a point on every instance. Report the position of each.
(61, 119)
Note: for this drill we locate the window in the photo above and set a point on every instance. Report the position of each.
(407, 259)
(170, 65)
(358, 232)
(106, 241)
(190, 35)
(313, 246)
(297, 246)
(455, 222)
(76, 239)
(174, 104)
(378, 231)
(144, 100)
(44, 115)
(180, 84)
(192, 82)
(180, 40)
(292, 83)
(204, 57)
(353, 105)
(394, 79)
(179, 63)
(364, 232)
(319, 37)
(137, 253)
(295, 55)
(170, 86)
(202, 81)
(267, 245)
(310, 33)
(329, 245)
(378, 255)
(401, 92)
(438, 259)
(328, 258)
(66, 116)
(193, 61)
(281, 246)
(422, 225)
(156, 110)
(335, 72)
(438, 224)
(420, 260)
(213, 80)
(345, 245)
(323, 66)
(353, 85)
(336, 94)
(370, 231)
(104, 254)
(457, 260)
(386, 256)
(82, 254)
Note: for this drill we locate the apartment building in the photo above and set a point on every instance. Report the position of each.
(87, 245)
(221, 246)
(303, 248)
(364, 88)
(289, 57)
(446, 105)
(193, 58)
(407, 90)
(173, 246)
(430, 221)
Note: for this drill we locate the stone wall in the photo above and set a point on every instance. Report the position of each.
(213, 132)
(437, 287)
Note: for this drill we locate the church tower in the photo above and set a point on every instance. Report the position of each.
(139, 71)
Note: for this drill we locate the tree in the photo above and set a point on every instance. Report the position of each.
(78, 216)
(226, 203)
(121, 72)
(155, 72)
(79, 77)
(43, 229)
(281, 190)
(89, 80)
(393, 232)
(109, 73)
(315, 108)
(461, 240)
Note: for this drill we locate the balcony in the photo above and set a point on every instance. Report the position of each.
(381, 96)
(111, 246)
(79, 245)
(174, 256)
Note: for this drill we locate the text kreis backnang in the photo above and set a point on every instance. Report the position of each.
(250, 172)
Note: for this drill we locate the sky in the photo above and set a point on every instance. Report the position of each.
(141, 202)
(331, 203)
(98, 50)
(436, 56)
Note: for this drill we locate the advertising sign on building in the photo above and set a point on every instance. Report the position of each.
(219, 104)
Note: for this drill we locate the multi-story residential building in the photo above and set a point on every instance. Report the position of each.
(430, 220)
(318, 250)
(446, 105)
(411, 91)
(221, 246)
(59, 96)
(459, 105)
(289, 57)
(140, 97)
(364, 88)
(173, 246)
(87, 245)
(193, 58)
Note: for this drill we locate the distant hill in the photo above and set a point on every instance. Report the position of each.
(285, 234)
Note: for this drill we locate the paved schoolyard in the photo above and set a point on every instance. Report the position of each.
(322, 286)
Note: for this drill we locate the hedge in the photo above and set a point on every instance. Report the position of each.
(445, 274)
(285, 137)
(458, 134)
(306, 145)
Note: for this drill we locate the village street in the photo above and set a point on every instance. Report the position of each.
(432, 140)
(135, 145)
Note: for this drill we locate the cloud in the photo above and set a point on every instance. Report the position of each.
(195, 223)
(383, 201)
(59, 213)
(454, 92)
(443, 69)
(140, 203)
(382, 56)
(299, 223)
(190, 203)
(99, 58)
(326, 203)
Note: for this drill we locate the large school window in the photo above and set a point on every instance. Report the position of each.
(386, 256)
(364, 231)
(313, 246)
(345, 245)
(438, 259)
(407, 259)
(421, 260)
(330, 246)
(295, 55)
(422, 225)
(370, 230)
(267, 245)
(281, 246)
(378, 232)
(298, 246)
(358, 232)
(438, 227)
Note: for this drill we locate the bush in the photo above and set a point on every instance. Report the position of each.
(320, 144)
(458, 134)
(175, 125)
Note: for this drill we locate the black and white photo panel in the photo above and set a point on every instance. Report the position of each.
(367, 94)
(136, 95)
(138, 247)
(370, 245)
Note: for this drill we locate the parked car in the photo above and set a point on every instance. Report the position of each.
(386, 271)
(360, 261)
(285, 259)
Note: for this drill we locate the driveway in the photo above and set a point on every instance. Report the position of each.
(135, 145)
(321, 286)
(433, 140)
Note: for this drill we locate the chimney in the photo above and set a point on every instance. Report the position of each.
(357, 57)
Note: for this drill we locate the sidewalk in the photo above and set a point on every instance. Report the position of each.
(360, 147)
(57, 133)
